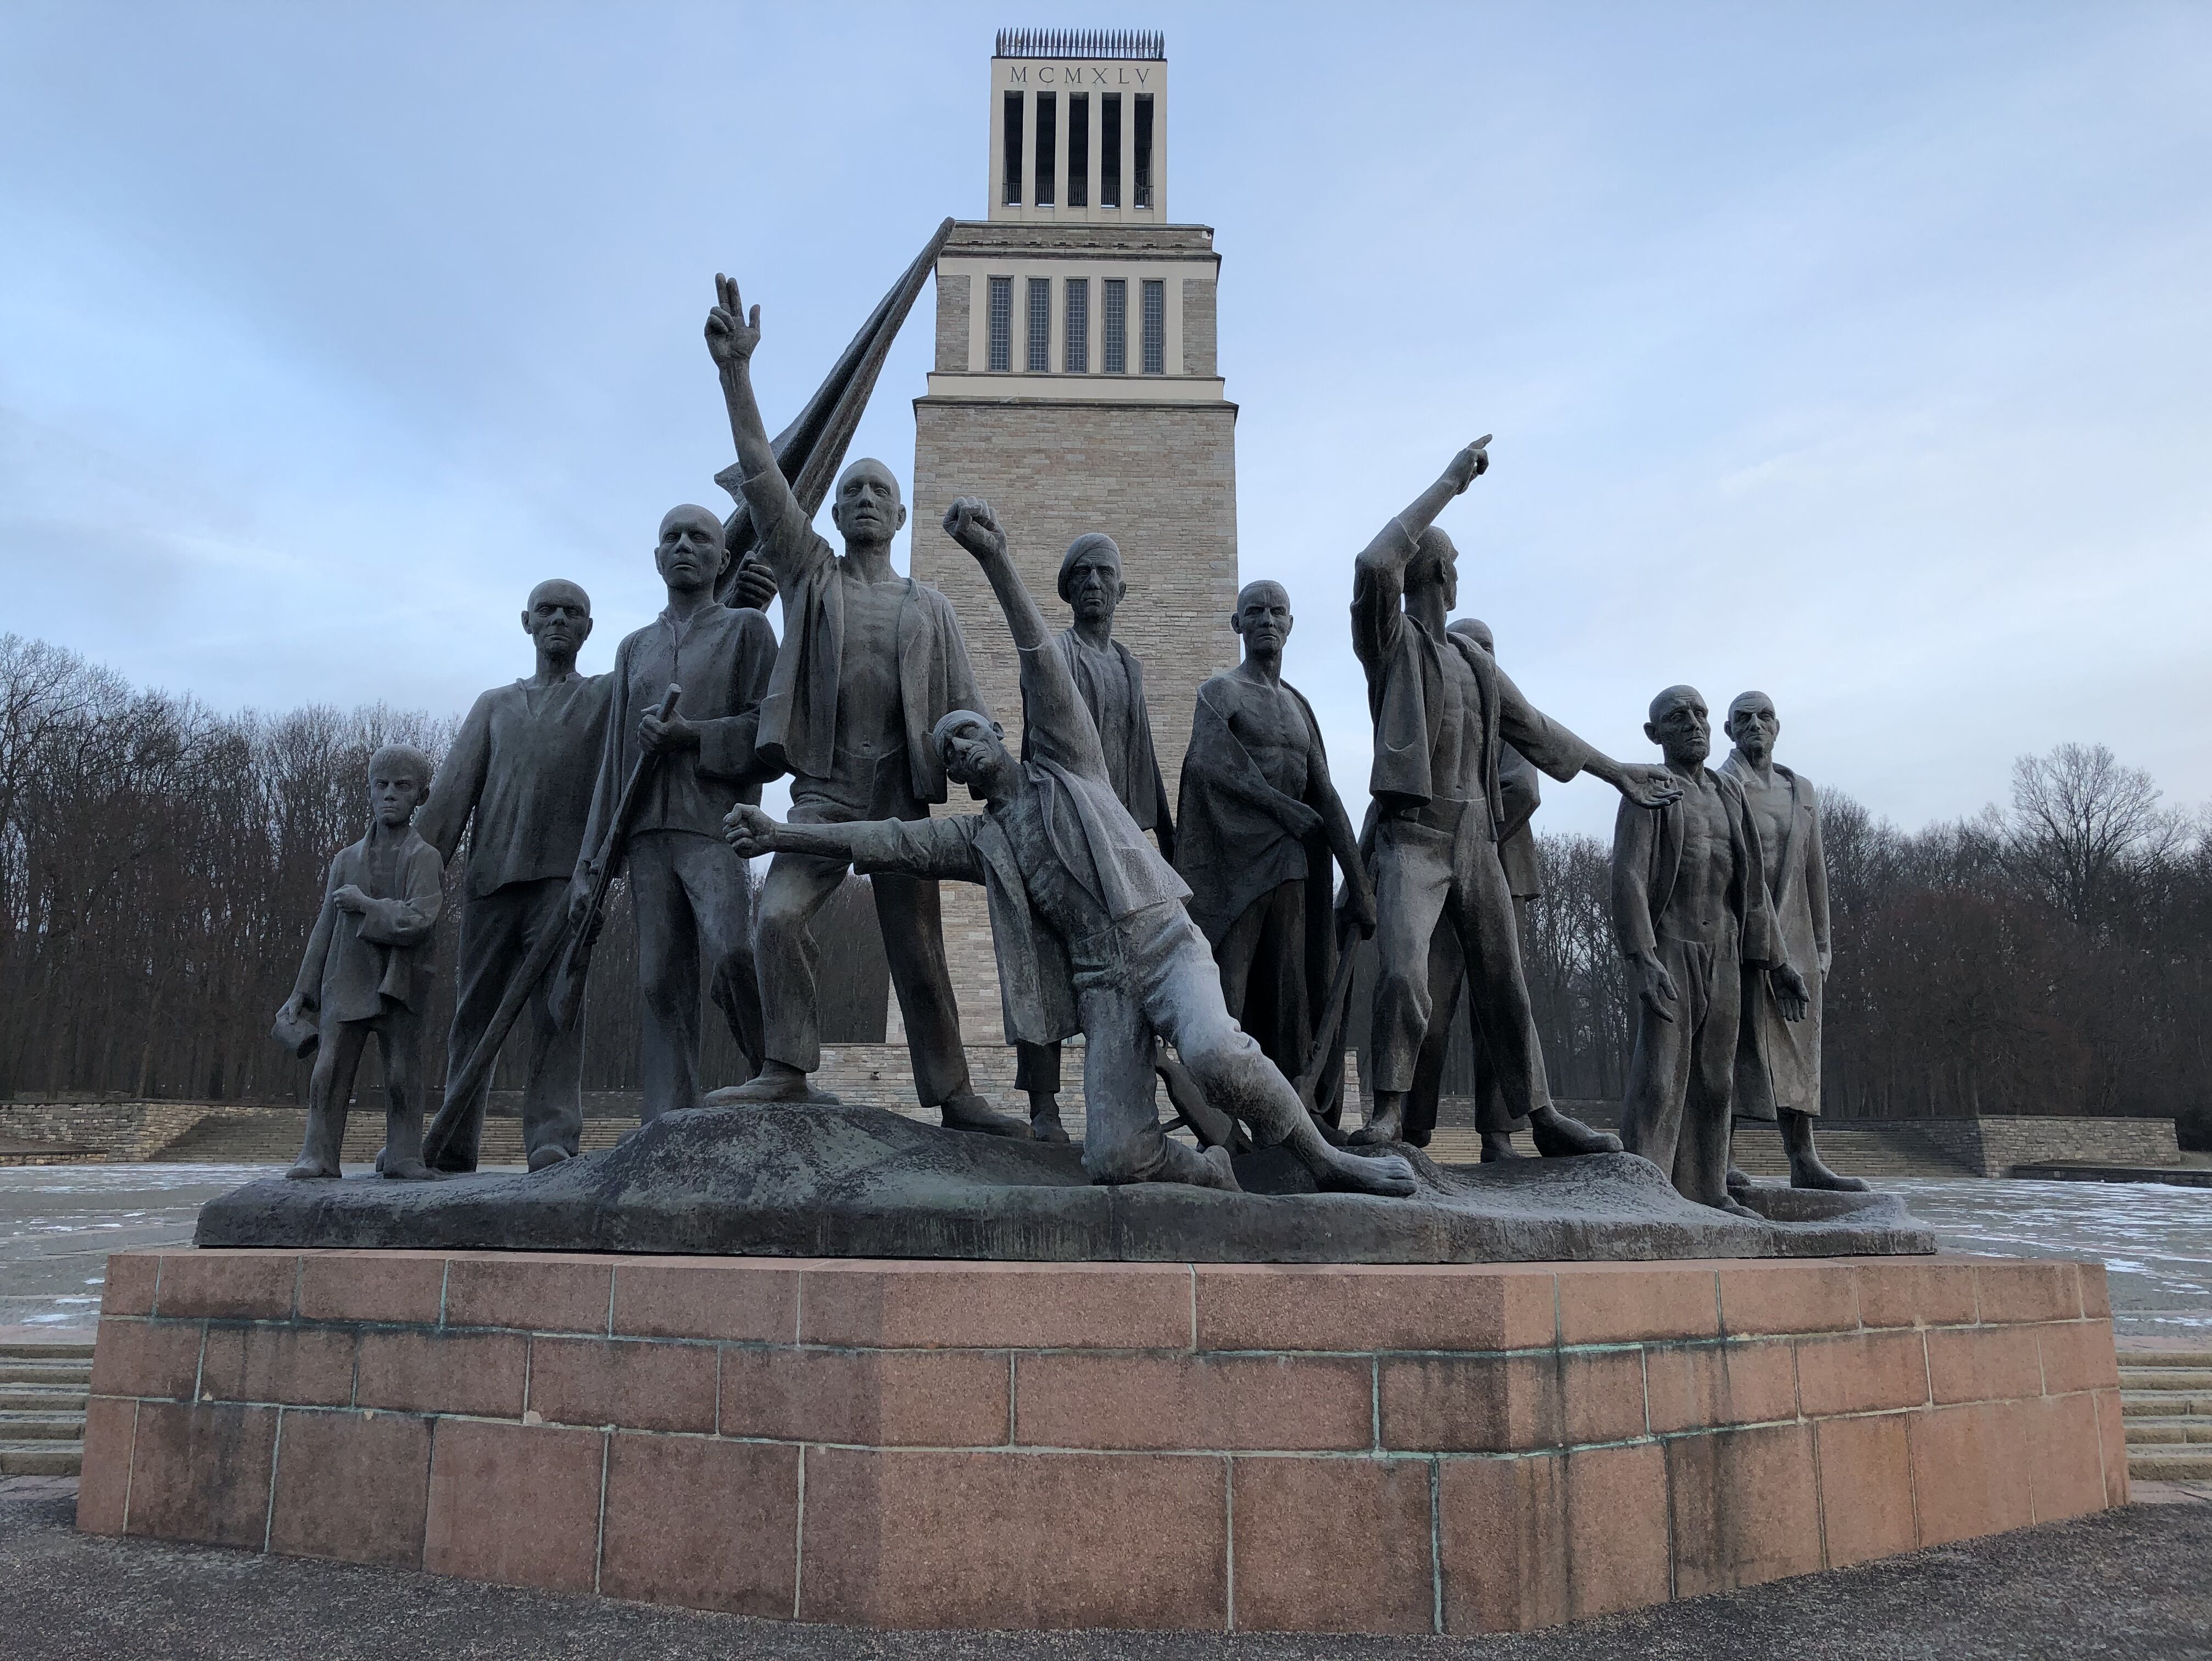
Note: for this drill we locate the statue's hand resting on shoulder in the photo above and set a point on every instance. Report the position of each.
(750, 830)
(731, 336)
(971, 522)
(1648, 786)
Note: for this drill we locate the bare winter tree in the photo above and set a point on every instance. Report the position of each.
(2082, 824)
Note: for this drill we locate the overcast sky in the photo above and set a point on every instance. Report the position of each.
(1860, 353)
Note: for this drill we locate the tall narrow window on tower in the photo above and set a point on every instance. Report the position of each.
(1075, 343)
(1156, 328)
(1013, 149)
(1117, 326)
(1048, 147)
(1078, 150)
(1143, 149)
(1002, 324)
(1109, 150)
(1040, 340)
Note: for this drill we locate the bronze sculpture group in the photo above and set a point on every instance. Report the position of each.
(1211, 943)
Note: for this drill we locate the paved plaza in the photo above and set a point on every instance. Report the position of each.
(2132, 1584)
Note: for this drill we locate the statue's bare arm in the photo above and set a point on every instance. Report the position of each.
(971, 522)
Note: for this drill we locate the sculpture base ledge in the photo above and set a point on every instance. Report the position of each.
(1311, 1447)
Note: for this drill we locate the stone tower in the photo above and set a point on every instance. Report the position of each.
(1076, 389)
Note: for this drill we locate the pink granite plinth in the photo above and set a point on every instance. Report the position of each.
(1454, 1448)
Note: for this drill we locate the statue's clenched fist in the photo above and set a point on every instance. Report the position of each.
(750, 830)
(971, 522)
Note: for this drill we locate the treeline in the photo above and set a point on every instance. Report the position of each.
(161, 865)
(2054, 956)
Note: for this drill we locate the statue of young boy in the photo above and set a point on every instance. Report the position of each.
(366, 969)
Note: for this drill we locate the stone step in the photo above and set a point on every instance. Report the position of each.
(2165, 1357)
(41, 1427)
(46, 1352)
(2170, 1465)
(41, 1459)
(45, 1372)
(64, 1398)
(2160, 1404)
(2149, 1431)
(2136, 1376)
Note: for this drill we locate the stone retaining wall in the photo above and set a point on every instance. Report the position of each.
(1992, 1147)
(117, 1132)
(1417, 1449)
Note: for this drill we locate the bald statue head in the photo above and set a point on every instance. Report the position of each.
(1091, 578)
(1753, 726)
(1262, 621)
(1679, 726)
(1476, 630)
(690, 551)
(558, 617)
(1435, 564)
(865, 507)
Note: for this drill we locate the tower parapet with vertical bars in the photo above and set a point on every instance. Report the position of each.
(1076, 389)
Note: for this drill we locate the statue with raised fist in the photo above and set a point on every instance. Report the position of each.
(1112, 683)
(1087, 919)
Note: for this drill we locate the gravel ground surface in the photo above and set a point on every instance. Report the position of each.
(2134, 1583)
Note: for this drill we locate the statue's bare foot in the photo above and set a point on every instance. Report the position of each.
(777, 1081)
(1809, 1172)
(402, 1170)
(1223, 1172)
(974, 1113)
(546, 1158)
(1386, 1174)
(1045, 1125)
(1497, 1145)
(1738, 1182)
(1388, 1124)
(1736, 1209)
(308, 1170)
(1558, 1137)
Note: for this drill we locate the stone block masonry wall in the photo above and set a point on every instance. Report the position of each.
(1199, 301)
(952, 302)
(1992, 1147)
(1109, 1445)
(1160, 479)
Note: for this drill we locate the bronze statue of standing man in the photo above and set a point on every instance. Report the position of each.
(1443, 714)
(1112, 683)
(1261, 824)
(1778, 1061)
(871, 660)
